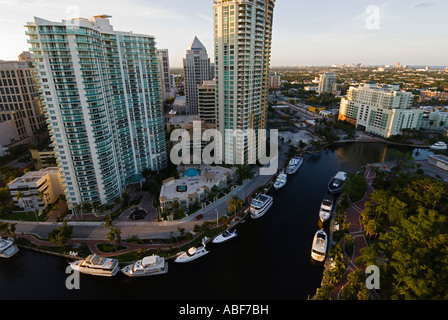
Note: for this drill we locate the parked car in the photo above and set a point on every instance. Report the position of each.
(198, 217)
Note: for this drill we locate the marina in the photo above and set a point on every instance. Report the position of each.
(287, 270)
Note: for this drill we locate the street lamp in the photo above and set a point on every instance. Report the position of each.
(216, 217)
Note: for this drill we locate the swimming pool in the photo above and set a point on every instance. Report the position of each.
(191, 172)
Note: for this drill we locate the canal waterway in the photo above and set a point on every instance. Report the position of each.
(269, 260)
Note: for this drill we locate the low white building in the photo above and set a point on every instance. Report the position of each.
(383, 110)
(36, 189)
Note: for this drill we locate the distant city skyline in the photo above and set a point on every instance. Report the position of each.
(304, 33)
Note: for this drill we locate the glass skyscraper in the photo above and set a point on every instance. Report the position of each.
(243, 35)
(103, 103)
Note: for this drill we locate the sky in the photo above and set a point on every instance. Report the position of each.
(320, 32)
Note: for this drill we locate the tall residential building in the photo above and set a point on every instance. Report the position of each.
(243, 35)
(327, 83)
(20, 100)
(275, 81)
(381, 110)
(166, 79)
(207, 101)
(196, 71)
(103, 103)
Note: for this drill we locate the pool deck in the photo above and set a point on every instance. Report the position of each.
(194, 184)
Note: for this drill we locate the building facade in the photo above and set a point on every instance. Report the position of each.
(20, 99)
(167, 86)
(327, 83)
(381, 110)
(103, 102)
(243, 36)
(196, 71)
(35, 190)
(207, 101)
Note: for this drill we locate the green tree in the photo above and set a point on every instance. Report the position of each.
(419, 256)
(355, 289)
(61, 234)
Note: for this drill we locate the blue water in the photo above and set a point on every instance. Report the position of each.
(191, 172)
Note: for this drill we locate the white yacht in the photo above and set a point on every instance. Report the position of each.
(439, 146)
(294, 165)
(319, 249)
(7, 248)
(260, 205)
(281, 181)
(148, 266)
(225, 236)
(96, 265)
(192, 254)
(325, 208)
(335, 184)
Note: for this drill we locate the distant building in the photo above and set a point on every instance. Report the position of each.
(381, 110)
(327, 83)
(435, 121)
(196, 71)
(37, 189)
(167, 85)
(207, 101)
(275, 81)
(20, 99)
(439, 160)
(43, 158)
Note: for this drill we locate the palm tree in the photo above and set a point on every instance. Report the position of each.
(19, 197)
(235, 204)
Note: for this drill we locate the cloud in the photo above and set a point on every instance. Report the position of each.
(422, 4)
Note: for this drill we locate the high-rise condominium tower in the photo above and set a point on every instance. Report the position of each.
(196, 71)
(103, 104)
(243, 34)
(20, 100)
(327, 83)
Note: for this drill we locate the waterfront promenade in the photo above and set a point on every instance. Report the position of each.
(93, 233)
(353, 216)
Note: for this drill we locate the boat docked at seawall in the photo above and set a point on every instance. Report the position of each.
(7, 248)
(325, 208)
(280, 182)
(336, 183)
(148, 266)
(260, 205)
(439, 146)
(319, 248)
(192, 254)
(96, 265)
(225, 236)
(294, 165)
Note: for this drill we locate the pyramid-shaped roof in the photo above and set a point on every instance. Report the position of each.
(197, 45)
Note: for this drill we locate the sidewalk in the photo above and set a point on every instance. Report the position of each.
(353, 215)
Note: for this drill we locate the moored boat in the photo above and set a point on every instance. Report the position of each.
(192, 254)
(294, 165)
(319, 248)
(260, 205)
(280, 182)
(148, 266)
(225, 236)
(7, 248)
(439, 146)
(336, 183)
(326, 207)
(96, 265)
